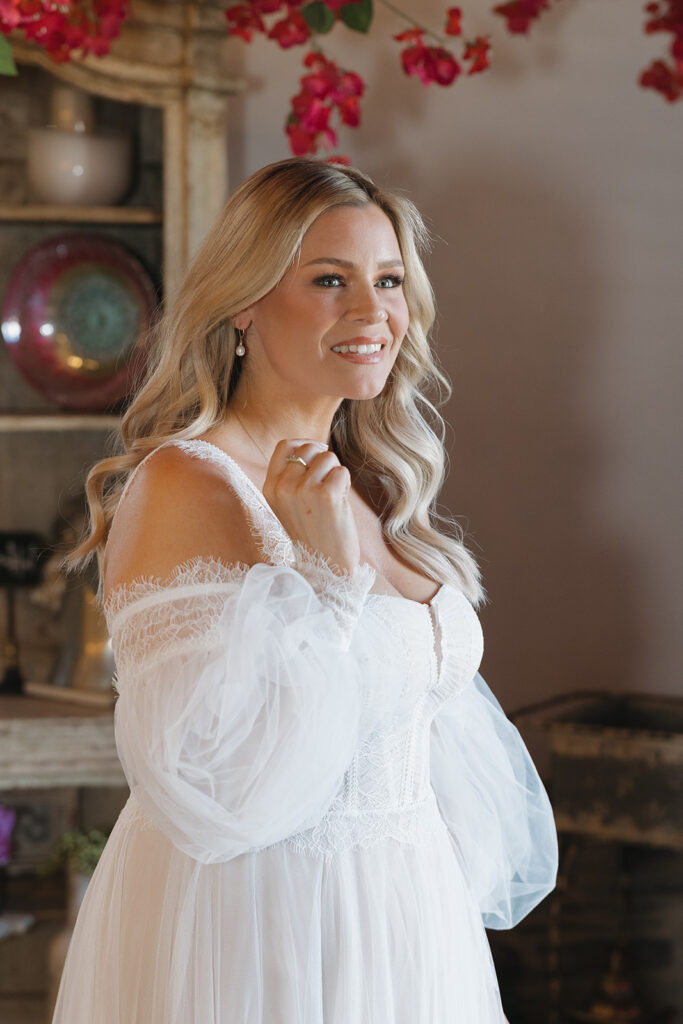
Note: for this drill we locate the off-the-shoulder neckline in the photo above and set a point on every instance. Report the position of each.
(146, 584)
(261, 497)
(155, 582)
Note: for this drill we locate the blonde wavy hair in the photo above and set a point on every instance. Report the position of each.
(395, 455)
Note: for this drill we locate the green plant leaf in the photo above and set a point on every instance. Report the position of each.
(7, 65)
(318, 16)
(82, 850)
(357, 16)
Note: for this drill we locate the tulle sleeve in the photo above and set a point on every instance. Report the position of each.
(494, 804)
(241, 701)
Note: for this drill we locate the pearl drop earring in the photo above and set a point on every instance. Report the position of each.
(240, 350)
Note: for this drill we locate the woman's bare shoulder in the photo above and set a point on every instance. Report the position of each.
(175, 508)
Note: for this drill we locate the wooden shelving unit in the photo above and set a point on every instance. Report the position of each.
(48, 213)
(21, 422)
(169, 56)
(170, 59)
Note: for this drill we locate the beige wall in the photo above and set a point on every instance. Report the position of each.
(553, 183)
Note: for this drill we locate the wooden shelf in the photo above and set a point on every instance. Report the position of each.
(27, 422)
(45, 743)
(39, 212)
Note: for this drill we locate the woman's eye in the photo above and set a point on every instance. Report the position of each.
(328, 280)
(336, 280)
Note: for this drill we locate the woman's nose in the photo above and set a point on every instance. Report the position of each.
(367, 311)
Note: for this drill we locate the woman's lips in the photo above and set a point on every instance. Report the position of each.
(362, 357)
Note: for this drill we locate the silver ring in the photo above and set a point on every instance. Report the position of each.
(296, 458)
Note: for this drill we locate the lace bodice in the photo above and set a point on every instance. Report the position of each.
(406, 658)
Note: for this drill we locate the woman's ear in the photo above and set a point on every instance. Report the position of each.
(241, 320)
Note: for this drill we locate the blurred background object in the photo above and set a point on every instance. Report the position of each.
(70, 161)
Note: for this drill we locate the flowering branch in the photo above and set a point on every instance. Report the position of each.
(413, 22)
(63, 27)
(666, 16)
(425, 53)
(327, 88)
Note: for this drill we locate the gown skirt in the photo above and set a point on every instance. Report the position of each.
(389, 933)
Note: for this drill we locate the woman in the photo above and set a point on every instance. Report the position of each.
(327, 803)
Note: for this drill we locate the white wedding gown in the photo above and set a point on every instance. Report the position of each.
(327, 803)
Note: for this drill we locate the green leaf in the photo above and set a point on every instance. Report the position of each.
(357, 16)
(7, 65)
(319, 17)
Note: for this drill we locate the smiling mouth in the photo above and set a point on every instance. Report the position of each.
(360, 347)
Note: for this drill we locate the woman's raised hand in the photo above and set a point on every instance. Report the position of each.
(312, 504)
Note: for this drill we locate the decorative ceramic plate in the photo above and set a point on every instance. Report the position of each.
(74, 316)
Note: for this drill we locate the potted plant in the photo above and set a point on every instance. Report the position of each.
(79, 852)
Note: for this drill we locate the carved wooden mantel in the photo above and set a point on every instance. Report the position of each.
(47, 743)
(170, 55)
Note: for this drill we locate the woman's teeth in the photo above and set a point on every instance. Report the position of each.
(362, 349)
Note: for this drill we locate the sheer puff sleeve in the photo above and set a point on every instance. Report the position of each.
(494, 804)
(240, 698)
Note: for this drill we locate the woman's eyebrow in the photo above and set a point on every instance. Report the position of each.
(382, 264)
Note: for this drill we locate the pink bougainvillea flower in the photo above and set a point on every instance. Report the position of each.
(97, 45)
(320, 83)
(667, 16)
(664, 20)
(61, 28)
(430, 64)
(243, 21)
(410, 35)
(301, 104)
(415, 61)
(327, 82)
(519, 14)
(315, 59)
(325, 89)
(10, 15)
(477, 51)
(349, 110)
(110, 26)
(291, 30)
(300, 141)
(446, 67)
(303, 139)
(267, 6)
(663, 79)
(453, 28)
(316, 117)
(111, 13)
(349, 84)
(75, 36)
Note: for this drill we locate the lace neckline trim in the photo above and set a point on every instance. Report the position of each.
(213, 570)
(209, 572)
(240, 473)
(261, 498)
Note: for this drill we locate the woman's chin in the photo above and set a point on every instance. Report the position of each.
(365, 387)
